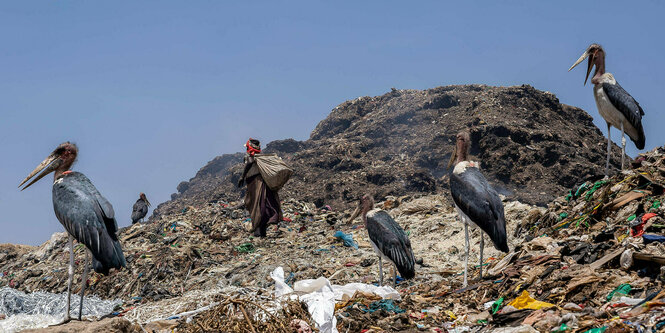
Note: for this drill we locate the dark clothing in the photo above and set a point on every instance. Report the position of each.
(261, 202)
(251, 169)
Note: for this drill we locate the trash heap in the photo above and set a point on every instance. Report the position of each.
(591, 261)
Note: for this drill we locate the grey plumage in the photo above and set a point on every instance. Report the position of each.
(90, 218)
(476, 198)
(391, 240)
(630, 109)
(139, 210)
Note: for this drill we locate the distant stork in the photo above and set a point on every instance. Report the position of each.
(387, 238)
(617, 107)
(85, 214)
(477, 203)
(140, 208)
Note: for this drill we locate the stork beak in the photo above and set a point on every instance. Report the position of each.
(148, 202)
(355, 213)
(590, 65)
(50, 164)
(453, 157)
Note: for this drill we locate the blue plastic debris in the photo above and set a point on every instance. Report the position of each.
(347, 238)
(384, 304)
(650, 238)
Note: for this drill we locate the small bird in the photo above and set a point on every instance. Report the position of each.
(85, 214)
(140, 208)
(388, 239)
(477, 203)
(615, 105)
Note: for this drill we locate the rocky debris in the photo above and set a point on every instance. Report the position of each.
(529, 145)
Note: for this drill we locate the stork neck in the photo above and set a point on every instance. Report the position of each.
(63, 169)
(600, 69)
(462, 154)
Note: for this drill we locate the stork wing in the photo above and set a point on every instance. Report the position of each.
(479, 201)
(89, 217)
(629, 107)
(139, 210)
(392, 241)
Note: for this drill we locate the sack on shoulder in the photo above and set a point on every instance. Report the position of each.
(274, 171)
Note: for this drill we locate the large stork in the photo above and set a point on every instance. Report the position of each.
(85, 214)
(140, 208)
(617, 107)
(477, 203)
(388, 239)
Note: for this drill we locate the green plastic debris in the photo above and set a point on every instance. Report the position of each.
(623, 289)
(562, 216)
(581, 189)
(597, 330)
(595, 187)
(497, 305)
(630, 218)
(562, 328)
(245, 248)
(655, 205)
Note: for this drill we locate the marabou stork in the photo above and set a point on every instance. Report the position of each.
(477, 203)
(387, 238)
(85, 214)
(140, 208)
(617, 107)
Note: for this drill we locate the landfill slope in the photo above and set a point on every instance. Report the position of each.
(529, 145)
(591, 260)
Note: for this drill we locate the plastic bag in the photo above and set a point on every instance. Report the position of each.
(525, 301)
(347, 238)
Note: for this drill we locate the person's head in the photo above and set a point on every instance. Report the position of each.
(253, 146)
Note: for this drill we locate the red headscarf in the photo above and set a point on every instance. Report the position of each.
(250, 149)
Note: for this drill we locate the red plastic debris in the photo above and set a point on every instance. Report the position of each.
(648, 216)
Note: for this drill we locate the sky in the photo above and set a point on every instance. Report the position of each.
(152, 90)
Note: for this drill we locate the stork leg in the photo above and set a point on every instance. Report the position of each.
(466, 247)
(394, 276)
(380, 272)
(71, 277)
(609, 150)
(84, 279)
(482, 246)
(623, 146)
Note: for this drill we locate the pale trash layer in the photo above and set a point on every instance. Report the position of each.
(320, 296)
(40, 309)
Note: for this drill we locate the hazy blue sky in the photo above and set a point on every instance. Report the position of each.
(152, 90)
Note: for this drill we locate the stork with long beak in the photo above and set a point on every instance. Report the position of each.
(388, 239)
(476, 201)
(614, 104)
(85, 214)
(140, 208)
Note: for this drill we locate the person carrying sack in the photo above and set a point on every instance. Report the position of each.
(261, 202)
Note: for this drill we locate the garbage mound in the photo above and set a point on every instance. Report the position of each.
(399, 143)
(591, 261)
(183, 264)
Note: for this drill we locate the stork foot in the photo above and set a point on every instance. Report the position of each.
(64, 321)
